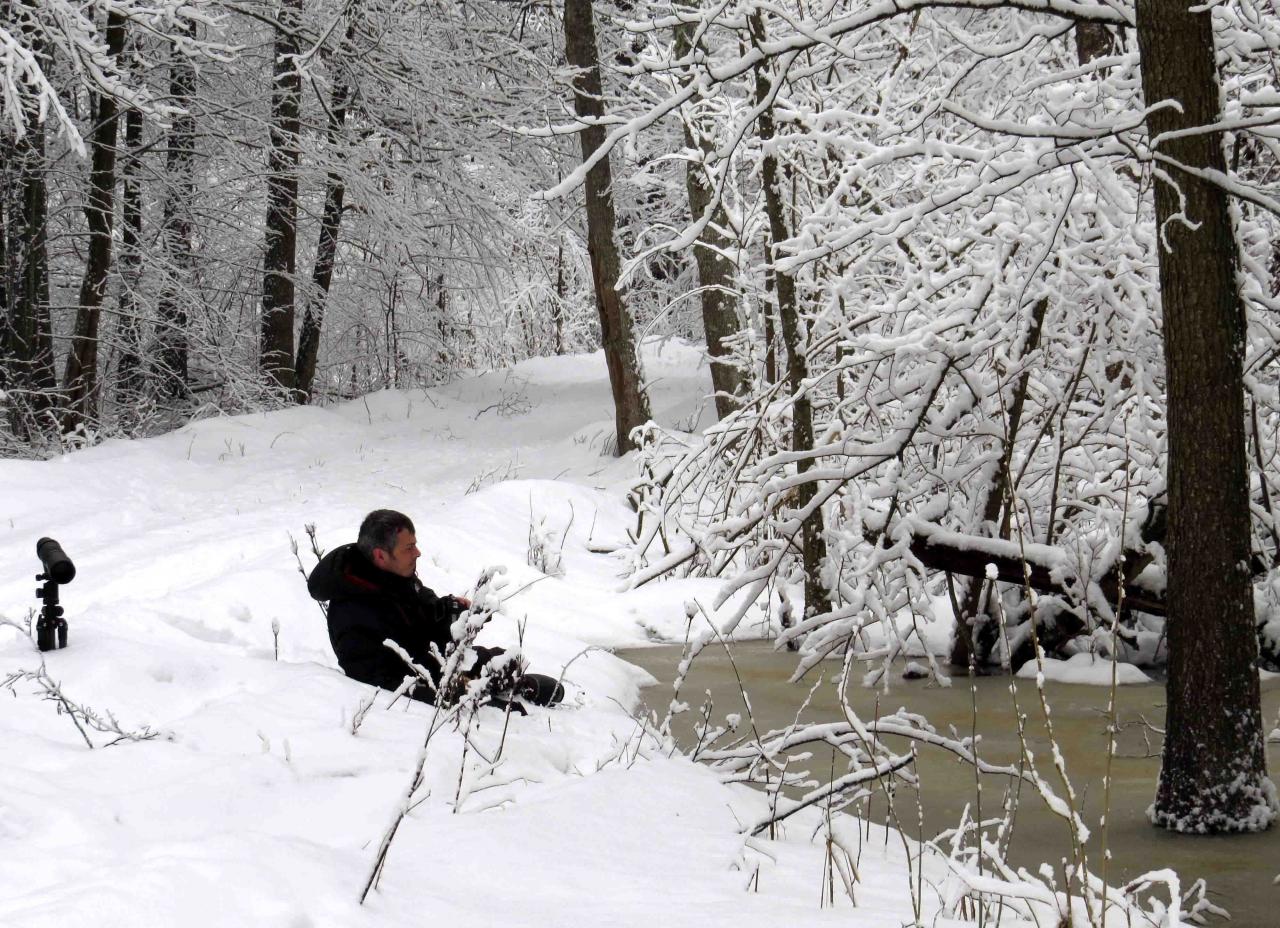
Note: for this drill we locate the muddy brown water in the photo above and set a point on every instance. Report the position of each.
(1239, 869)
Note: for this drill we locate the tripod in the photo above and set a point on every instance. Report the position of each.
(51, 629)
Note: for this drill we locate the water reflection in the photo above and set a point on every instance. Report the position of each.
(1240, 869)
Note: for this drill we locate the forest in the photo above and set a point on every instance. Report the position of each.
(988, 287)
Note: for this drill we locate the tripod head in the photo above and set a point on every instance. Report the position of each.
(51, 629)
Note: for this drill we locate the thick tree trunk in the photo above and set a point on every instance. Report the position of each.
(813, 541)
(279, 260)
(173, 358)
(631, 406)
(715, 271)
(80, 377)
(330, 227)
(1213, 776)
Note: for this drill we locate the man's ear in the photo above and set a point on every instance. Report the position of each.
(379, 559)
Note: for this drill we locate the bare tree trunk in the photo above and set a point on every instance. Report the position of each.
(173, 357)
(6, 278)
(631, 406)
(80, 377)
(6, 185)
(29, 329)
(963, 645)
(813, 545)
(279, 260)
(557, 307)
(32, 315)
(129, 372)
(8, 214)
(770, 324)
(1093, 40)
(1213, 777)
(715, 271)
(330, 227)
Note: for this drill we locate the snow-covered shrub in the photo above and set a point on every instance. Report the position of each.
(980, 322)
(545, 553)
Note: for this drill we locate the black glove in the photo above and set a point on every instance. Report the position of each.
(483, 657)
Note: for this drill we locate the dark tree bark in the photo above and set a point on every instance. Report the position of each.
(6, 278)
(813, 541)
(631, 406)
(557, 307)
(80, 377)
(715, 271)
(8, 292)
(1093, 40)
(1213, 776)
(173, 356)
(29, 330)
(129, 370)
(33, 325)
(330, 228)
(964, 650)
(279, 260)
(8, 214)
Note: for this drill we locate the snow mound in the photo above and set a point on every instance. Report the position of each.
(1084, 668)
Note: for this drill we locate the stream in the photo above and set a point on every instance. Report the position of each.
(1239, 869)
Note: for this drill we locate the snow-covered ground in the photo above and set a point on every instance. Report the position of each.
(257, 804)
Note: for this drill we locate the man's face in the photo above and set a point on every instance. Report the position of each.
(403, 559)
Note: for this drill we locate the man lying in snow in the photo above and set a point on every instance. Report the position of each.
(374, 595)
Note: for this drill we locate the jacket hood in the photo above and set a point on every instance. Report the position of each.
(345, 572)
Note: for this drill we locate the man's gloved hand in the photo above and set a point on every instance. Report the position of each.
(484, 656)
(501, 681)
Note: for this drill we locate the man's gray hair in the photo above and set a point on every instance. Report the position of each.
(379, 530)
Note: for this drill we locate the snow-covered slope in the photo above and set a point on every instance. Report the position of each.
(257, 804)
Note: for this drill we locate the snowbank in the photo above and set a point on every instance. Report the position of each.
(260, 800)
(1084, 668)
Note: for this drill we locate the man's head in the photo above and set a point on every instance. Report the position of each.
(387, 539)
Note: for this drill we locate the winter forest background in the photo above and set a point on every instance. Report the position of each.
(992, 317)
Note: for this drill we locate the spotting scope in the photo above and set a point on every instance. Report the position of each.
(51, 628)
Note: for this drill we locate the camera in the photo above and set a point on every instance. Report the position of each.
(51, 629)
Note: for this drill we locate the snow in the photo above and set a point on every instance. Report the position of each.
(1084, 668)
(257, 804)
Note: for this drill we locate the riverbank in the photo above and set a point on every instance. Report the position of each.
(1239, 870)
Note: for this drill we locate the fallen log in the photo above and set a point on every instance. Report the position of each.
(1044, 568)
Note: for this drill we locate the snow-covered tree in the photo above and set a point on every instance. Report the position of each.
(986, 356)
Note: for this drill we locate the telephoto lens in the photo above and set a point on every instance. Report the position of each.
(57, 566)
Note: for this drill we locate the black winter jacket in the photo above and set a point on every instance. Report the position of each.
(367, 606)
